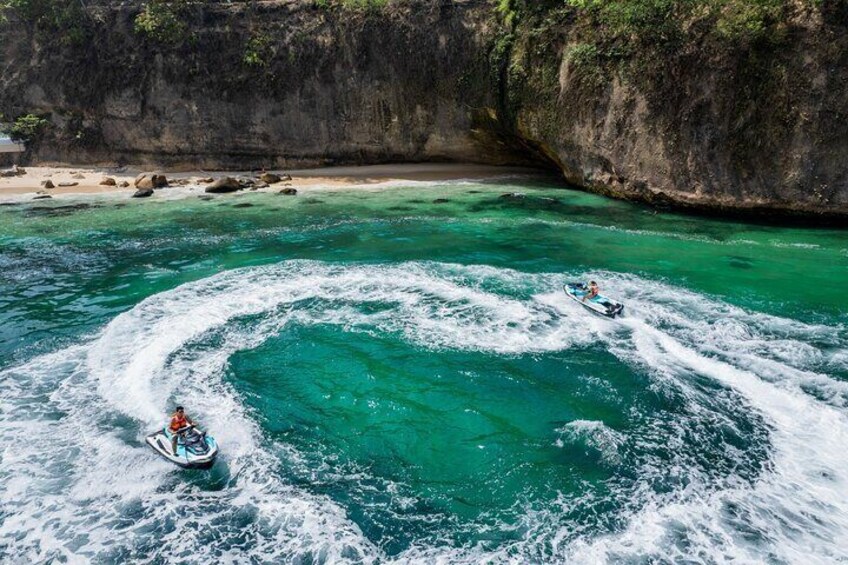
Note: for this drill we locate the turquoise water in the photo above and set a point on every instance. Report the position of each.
(396, 378)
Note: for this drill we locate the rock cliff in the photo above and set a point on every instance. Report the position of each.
(704, 123)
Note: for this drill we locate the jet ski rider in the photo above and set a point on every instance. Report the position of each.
(179, 421)
(593, 291)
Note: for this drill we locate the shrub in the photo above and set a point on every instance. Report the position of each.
(162, 21)
(507, 11)
(584, 56)
(747, 20)
(258, 52)
(28, 128)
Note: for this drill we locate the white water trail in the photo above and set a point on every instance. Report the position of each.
(66, 499)
(799, 504)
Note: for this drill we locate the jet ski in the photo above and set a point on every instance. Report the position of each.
(600, 304)
(194, 450)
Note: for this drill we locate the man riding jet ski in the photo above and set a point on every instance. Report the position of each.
(590, 297)
(183, 444)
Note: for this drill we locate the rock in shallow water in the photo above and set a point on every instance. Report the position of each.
(108, 181)
(289, 191)
(143, 193)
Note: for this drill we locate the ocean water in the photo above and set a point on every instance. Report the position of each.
(396, 376)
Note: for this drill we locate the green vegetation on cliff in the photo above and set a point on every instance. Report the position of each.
(27, 128)
(65, 20)
(162, 20)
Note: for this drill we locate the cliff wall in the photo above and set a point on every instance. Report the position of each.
(691, 118)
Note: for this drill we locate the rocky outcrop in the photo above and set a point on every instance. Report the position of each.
(711, 125)
(707, 122)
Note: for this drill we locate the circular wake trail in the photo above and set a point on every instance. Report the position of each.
(95, 491)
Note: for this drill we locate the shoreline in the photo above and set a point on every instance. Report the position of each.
(29, 185)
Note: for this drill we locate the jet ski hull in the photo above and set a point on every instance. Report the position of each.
(600, 304)
(187, 457)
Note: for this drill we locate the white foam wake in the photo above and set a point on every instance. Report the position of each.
(66, 498)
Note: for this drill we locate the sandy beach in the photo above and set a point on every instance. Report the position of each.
(87, 180)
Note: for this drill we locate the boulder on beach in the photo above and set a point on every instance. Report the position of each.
(205, 180)
(123, 184)
(224, 184)
(143, 193)
(41, 197)
(78, 176)
(145, 181)
(270, 178)
(289, 191)
(48, 184)
(67, 184)
(108, 181)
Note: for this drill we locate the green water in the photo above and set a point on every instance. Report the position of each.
(394, 377)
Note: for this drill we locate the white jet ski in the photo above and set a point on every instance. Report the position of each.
(194, 450)
(600, 304)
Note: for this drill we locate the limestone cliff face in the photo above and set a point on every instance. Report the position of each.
(326, 86)
(712, 127)
(727, 127)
